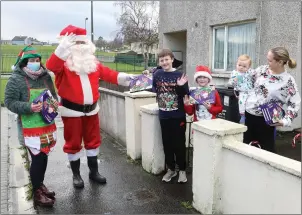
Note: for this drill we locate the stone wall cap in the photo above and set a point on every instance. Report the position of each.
(150, 109)
(279, 162)
(219, 127)
(141, 94)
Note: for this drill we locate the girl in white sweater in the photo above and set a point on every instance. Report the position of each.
(272, 83)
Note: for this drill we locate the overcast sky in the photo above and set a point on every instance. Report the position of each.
(44, 20)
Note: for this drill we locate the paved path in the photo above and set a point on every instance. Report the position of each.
(129, 190)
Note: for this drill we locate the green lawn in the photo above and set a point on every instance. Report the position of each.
(10, 52)
(3, 85)
(15, 49)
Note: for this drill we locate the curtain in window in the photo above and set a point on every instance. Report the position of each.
(241, 40)
(219, 49)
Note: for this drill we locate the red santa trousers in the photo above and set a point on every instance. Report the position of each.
(76, 129)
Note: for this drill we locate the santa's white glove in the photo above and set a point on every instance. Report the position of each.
(63, 49)
(124, 79)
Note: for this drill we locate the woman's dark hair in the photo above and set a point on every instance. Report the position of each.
(24, 62)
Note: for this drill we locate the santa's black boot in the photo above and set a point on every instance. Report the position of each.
(77, 179)
(94, 172)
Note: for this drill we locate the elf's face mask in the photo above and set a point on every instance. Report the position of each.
(34, 64)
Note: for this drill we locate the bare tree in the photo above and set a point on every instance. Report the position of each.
(139, 23)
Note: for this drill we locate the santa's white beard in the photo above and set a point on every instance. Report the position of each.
(82, 59)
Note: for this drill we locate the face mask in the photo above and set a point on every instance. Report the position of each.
(34, 66)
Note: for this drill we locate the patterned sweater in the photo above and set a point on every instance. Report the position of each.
(241, 81)
(280, 88)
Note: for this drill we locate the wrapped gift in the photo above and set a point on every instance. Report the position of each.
(201, 95)
(49, 106)
(272, 113)
(140, 83)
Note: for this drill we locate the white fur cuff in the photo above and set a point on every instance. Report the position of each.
(203, 74)
(92, 152)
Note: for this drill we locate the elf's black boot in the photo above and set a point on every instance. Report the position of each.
(94, 173)
(77, 179)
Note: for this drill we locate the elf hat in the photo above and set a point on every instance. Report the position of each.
(26, 52)
(203, 71)
(70, 29)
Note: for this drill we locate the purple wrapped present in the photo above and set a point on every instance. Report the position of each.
(201, 95)
(272, 113)
(49, 106)
(140, 83)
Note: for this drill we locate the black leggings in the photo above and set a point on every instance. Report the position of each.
(174, 138)
(258, 130)
(37, 169)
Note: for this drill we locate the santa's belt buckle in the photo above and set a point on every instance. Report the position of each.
(87, 108)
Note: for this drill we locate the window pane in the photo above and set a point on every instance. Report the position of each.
(219, 49)
(241, 40)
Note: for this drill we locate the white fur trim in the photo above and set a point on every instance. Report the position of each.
(74, 157)
(92, 152)
(86, 87)
(202, 73)
(72, 113)
(77, 38)
(13, 67)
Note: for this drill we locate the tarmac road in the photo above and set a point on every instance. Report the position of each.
(129, 189)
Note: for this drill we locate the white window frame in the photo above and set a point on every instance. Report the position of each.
(226, 29)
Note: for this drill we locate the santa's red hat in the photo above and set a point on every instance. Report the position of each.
(79, 32)
(203, 71)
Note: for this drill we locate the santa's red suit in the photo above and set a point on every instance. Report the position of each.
(77, 74)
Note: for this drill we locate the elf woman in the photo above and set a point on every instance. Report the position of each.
(27, 82)
(272, 84)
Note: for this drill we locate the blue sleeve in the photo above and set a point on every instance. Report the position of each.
(154, 83)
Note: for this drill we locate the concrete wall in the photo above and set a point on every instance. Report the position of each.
(278, 23)
(112, 114)
(230, 177)
(266, 188)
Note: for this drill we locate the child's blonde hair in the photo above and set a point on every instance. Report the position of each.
(245, 57)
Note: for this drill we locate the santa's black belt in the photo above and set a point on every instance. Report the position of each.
(78, 107)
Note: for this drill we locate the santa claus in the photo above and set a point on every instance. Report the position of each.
(77, 73)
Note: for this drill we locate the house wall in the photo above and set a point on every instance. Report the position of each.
(18, 42)
(278, 23)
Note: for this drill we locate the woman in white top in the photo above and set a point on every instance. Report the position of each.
(272, 83)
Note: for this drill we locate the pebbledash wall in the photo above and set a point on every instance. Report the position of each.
(186, 27)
